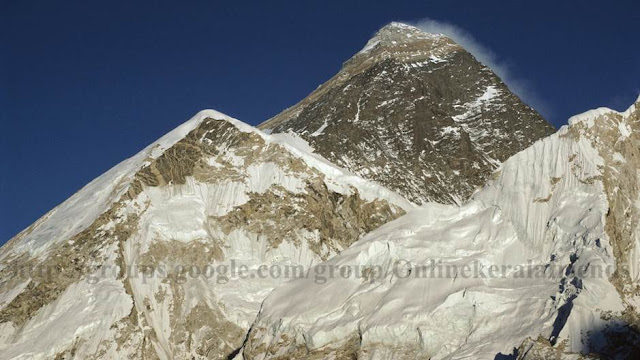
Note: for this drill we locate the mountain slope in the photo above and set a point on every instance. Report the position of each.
(543, 259)
(417, 113)
(220, 241)
(137, 263)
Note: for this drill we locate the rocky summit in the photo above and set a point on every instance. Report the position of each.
(417, 113)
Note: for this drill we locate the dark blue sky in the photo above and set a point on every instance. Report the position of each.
(86, 84)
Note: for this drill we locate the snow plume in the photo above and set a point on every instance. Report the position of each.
(519, 86)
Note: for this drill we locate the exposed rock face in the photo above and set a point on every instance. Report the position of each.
(616, 136)
(417, 113)
(131, 282)
(542, 349)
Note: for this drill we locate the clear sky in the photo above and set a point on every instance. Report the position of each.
(86, 84)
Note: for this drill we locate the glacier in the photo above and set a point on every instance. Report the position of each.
(542, 218)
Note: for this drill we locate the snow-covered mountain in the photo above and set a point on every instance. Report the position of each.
(221, 241)
(417, 113)
(118, 270)
(542, 263)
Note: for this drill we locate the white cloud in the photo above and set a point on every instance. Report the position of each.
(518, 85)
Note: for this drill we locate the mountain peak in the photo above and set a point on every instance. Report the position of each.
(416, 112)
(589, 116)
(398, 35)
(399, 28)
